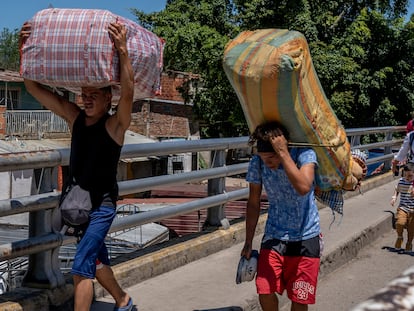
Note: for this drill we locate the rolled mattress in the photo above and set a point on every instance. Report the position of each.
(272, 72)
(72, 48)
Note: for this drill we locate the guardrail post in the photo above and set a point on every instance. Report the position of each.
(387, 150)
(355, 140)
(44, 268)
(215, 214)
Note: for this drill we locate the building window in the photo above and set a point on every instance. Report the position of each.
(12, 98)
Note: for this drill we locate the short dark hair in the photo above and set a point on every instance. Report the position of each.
(263, 132)
(408, 167)
(107, 89)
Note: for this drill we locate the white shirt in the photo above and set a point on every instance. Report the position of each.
(402, 154)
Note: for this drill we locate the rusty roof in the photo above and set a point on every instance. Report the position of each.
(10, 76)
(191, 222)
(15, 144)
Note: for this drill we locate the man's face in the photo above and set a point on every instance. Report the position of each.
(270, 159)
(95, 100)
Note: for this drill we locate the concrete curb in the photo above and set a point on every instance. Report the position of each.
(168, 256)
(348, 250)
(32, 299)
(352, 246)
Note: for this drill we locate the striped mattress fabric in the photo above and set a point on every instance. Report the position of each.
(72, 48)
(272, 72)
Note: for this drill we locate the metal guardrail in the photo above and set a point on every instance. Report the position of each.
(42, 245)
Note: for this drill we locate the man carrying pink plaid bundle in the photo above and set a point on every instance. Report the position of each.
(97, 139)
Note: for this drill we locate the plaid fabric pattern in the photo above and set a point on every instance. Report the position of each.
(72, 48)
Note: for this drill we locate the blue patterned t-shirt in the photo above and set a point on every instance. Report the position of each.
(291, 217)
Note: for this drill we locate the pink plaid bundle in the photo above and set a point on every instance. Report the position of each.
(72, 48)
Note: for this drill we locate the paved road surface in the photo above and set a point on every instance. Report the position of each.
(201, 271)
(341, 290)
(362, 277)
(209, 283)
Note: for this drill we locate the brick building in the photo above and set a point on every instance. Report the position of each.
(167, 116)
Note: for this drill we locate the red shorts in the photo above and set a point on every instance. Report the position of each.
(297, 274)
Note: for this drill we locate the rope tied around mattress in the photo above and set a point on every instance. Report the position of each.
(303, 144)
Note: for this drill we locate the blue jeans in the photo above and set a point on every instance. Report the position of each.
(92, 245)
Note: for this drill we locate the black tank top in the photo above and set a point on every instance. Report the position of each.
(94, 160)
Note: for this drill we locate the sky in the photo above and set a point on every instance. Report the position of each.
(15, 12)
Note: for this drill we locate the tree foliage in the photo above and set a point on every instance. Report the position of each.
(362, 52)
(9, 53)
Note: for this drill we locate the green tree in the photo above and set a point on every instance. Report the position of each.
(362, 52)
(292, 14)
(372, 43)
(196, 32)
(9, 52)
(356, 49)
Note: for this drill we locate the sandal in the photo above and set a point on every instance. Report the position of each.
(128, 307)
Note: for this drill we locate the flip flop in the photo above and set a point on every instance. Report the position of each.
(128, 307)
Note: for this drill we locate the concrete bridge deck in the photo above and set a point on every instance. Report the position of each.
(209, 282)
(198, 273)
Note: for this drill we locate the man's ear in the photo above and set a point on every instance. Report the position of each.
(108, 97)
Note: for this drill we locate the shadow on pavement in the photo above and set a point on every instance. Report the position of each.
(398, 250)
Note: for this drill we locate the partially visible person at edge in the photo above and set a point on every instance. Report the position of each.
(97, 138)
(404, 155)
(291, 247)
(405, 210)
(410, 125)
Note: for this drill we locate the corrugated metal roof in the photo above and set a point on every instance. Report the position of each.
(14, 144)
(18, 145)
(192, 222)
(10, 76)
(14, 76)
(135, 138)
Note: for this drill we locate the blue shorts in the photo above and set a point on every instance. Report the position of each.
(92, 245)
